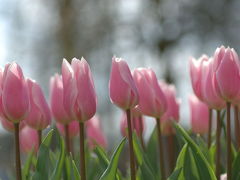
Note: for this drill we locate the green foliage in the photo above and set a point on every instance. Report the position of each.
(194, 162)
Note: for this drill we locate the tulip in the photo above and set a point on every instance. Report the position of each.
(58, 110)
(28, 139)
(152, 102)
(172, 114)
(212, 99)
(15, 98)
(226, 73)
(40, 116)
(195, 74)
(56, 100)
(14, 103)
(199, 115)
(122, 89)
(86, 99)
(9, 126)
(124, 94)
(95, 135)
(79, 98)
(226, 79)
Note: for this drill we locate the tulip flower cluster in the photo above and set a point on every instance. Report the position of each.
(216, 83)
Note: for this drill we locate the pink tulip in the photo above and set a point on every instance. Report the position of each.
(226, 73)
(70, 91)
(223, 176)
(199, 115)
(122, 89)
(73, 128)
(86, 98)
(9, 126)
(172, 113)
(152, 101)
(56, 98)
(209, 94)
(40, 116)
(137, 124)
(95, 135)
(15, 98)
(28, 139)
(195, 74)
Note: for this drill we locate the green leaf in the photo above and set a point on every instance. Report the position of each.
(175, 175)
(189, 167)
(60, 162)
(75, 170)
(152, 150)
(204, 169)
(26, 169)
(145, 166)
(104, 162)
(110, 172)
(43, 160)
(236, 168)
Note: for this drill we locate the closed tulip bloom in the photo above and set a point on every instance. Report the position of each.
(172, 113)
(86, 104)
(137, 124)
(70, 91)
(15, 98)
(73, 128)
(28, 139)
(152, 101)
(199, 115)
(9, 126)
(95, 135)
(209, 93)
(56, 100)
(226, 73)
(40, 116)
(122, 88)
(195, 74)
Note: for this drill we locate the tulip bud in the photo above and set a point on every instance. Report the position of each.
(9, 126)
(40, 116)
(95, 135)
(226, 73)
(199, 115)
(137, 124)
(28, 139)
(15, 98)
(209, 94)
(122, 89)
(172, 113)
(86, 98)
(195, 74)
(56, 98)
(152, 101)
(73, 128)
(70, 91)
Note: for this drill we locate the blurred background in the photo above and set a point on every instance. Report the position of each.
(161, 34)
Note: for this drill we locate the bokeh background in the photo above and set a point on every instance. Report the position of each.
(161, 34)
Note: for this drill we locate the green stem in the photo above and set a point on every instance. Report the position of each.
(130, 141)
(17, 150)
(67, 142)
(229, 156)
(82, 153)
(209, 140)
(237, 128)
(161, 156)
(218, 145)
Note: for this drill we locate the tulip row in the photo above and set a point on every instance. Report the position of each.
(25, 111)
(216, 83)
